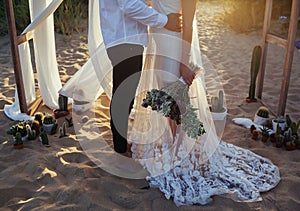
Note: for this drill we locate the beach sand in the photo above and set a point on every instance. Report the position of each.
(62, 177)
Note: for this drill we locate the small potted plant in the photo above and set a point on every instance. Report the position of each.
(217, 103)
(18, 141)
(20, 127)
(265, 134)
(279, 121)
(63, 130)
(69, 121)
(261, 116)
(63, 107)
(31, 134)
(279, 138)
(252, 128)
(43, 137)
(255, 135)
(294, 126)
(218, 112)
(49, 124)
(35, 126)
(39, 116)
(289, 140)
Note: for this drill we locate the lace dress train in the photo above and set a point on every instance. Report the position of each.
(231, 172)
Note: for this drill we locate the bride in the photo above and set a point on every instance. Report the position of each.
(190, 170)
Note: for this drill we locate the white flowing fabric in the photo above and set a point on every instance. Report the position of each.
(42, 27)
(13, 111)
(45, 54)
(84, 86)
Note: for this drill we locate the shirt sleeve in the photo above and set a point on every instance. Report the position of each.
(139, 11)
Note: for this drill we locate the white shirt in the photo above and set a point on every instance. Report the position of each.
(122, 20)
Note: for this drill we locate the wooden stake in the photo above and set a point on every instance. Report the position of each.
(11, 26)
(289, 57)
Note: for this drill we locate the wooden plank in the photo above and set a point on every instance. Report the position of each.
(11, 25)
(266, 29)
(289, 57)
(24, 37)
(277, 40)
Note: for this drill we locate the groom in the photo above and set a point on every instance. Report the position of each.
(124, 28)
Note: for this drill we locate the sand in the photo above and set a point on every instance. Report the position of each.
(62, 177)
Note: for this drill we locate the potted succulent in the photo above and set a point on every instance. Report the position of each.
(69, 121)
(39, 116)
(31, 134)
(20, 127)
(63, 130)
(261, 116)
(294, 126)
(18, 141)
(289, 140)
(49, 124)
(217, 103)
(218, 112)
(279, 121)
(279, 138)
(43, 137)
(35, 126)
(63, 107)
(265, 134)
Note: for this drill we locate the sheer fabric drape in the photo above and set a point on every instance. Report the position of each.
(42, 26)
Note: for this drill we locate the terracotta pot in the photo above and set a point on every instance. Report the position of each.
(255, 135)
(60, 113)
(290, 147)
(278, 145)
(252, 128)
(18, 146)
(264, 138)
(272, 138)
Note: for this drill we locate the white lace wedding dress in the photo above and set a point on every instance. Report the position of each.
(191, 170)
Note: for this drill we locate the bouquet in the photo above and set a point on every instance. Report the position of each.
(173, 101)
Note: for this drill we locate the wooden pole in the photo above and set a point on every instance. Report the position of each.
(289, 56)
(11, 26)
(266, 29)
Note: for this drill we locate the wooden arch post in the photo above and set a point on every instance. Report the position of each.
(287, 44)
(11, 26)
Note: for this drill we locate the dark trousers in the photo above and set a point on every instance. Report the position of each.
(127, 64)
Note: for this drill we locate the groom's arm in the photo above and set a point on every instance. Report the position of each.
(139, 11)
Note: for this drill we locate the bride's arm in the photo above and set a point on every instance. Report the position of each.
(188, 12)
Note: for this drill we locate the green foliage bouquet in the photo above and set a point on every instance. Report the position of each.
(173, 101)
